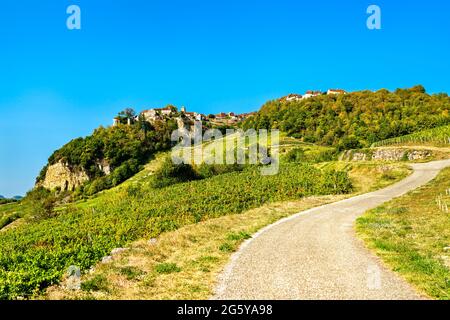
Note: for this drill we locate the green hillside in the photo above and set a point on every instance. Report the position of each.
(125, 148)
(439, 136)
(356, 119)
(36, 254)
(46, 232)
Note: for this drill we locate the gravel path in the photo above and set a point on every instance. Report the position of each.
(316, 255)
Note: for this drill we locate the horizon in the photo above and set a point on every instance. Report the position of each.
(60, 84)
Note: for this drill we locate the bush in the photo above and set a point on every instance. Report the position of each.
(170, 173)
(336, 182)
(125, 171)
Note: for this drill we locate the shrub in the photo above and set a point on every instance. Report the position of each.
(170, 173)
(167, 268)
(336, 182)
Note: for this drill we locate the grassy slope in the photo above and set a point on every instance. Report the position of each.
(411, 233)
(194, 255)
(439, 137)
(36, 254)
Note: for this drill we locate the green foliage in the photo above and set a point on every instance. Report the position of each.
(238, 236)
(354, 120)
(123, 147)
(7, 219)
(167, 268)
(437, 136)
(300, 155)
(42, 202)
(131, 272)
(226, 247)
(36, 255)
(170, 173)
(6, 201)
(337, 181)
(97, 283)
(211, 170)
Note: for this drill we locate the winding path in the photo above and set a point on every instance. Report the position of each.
(316, 255)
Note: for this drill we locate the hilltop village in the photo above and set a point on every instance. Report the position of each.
(182, 115)
(219, 120)
(310, 93)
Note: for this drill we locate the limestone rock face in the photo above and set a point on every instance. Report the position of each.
(386, 155)
(63, 176)
(104, 166)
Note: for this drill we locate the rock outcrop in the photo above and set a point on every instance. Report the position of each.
(61, 175)
(385, 155)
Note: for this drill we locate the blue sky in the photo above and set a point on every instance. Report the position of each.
(210, 56)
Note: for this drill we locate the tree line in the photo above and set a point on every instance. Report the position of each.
(357, 119)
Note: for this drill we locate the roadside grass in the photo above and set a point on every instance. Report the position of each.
(185, 263)
(367, 176)
(412, 236)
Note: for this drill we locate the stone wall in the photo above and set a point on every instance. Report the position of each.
(385, 155)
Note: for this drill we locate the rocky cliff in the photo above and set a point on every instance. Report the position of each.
(61, 175)
(66, 177)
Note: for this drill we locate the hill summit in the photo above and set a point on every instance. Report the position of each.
(356, 119)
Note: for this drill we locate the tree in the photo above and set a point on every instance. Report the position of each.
(127, 114)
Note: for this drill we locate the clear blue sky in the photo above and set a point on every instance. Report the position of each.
(211, 56)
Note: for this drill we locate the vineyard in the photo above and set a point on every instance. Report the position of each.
(36, 255)
(439, 136)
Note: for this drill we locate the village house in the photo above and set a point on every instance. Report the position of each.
(221, 116)
(157, 113)
(310, 94)
(193, 116)
(336, 91)
(292, 97)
